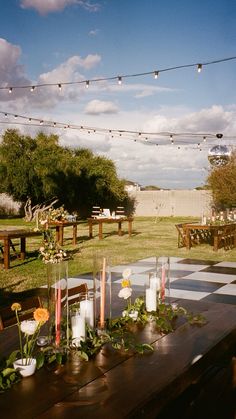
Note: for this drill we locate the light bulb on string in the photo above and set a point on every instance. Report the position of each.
(119, 80)
(59, 86)
(199, 68)
(156, 74)
(10, 90)
(41, 122)
(32, 88)
(204, 139)
(6, 115)
(87, 84)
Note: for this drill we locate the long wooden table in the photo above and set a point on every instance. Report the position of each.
(105, 220)
(215, 234)
(8, 235)
(123, 385)
(59, 226)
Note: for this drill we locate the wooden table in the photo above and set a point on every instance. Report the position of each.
(215, 233)
(103, 220)
(119, 385)
(59, 226)
(8, 235)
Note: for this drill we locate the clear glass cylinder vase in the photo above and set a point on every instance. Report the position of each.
(163, 272)
(102, 290)
(58, 329)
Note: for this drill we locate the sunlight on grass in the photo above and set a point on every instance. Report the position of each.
(150, 237)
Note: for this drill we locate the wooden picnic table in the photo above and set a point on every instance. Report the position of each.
(59, 226)
(215, 235)
(109, 220)
(183, 367)
(8, 235)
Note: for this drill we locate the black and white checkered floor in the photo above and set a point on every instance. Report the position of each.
(189, 279)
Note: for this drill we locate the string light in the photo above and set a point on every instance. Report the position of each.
(87, 84)
(199, 68)
(142, 137)
(32, 88)
(121, 77)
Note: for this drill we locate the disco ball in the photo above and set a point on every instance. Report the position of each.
(219, 155)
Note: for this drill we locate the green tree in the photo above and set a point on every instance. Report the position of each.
(37, 170)
(222, 182)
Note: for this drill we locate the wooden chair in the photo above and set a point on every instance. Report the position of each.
(120, 211)
(28, 306)
(75, 293)
(181, 235)
(95, 211)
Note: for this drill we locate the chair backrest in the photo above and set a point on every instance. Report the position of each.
(95, 211)
(120, 211)
(181, 235)
(75, 294)
(28, 306)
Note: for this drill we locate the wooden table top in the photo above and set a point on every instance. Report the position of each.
(117, 385)
(18, 233)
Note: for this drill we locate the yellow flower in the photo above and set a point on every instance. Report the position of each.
(125, 283)
(41, 315)
(15, 307)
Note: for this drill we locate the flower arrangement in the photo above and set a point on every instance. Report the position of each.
(50, 251)
(57, 214)
(30, 330)
(126, 290)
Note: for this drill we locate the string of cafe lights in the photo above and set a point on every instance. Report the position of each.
(198, 141)
(119, 78)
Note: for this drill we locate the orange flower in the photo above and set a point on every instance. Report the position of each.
(16, 307)
(41, 315)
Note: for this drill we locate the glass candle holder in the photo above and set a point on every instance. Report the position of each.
(163, 272)
(78, 328)
(152, 289)
(57, 276)
(102, 289)
(87, 308)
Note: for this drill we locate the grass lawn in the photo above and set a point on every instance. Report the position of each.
(151, 237)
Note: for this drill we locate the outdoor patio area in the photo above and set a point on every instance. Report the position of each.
(189, 279)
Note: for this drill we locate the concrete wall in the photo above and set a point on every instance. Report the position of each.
(172, 203)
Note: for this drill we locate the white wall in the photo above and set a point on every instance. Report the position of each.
(172, 203)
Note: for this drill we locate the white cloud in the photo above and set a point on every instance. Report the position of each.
(49, 6)
(96, 107)
(94, 32)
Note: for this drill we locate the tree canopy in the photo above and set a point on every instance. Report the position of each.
(40, 169)
(222, 182)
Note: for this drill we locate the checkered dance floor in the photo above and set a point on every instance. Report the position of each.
(189, 279)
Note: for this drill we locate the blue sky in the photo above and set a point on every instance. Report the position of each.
(53, 41)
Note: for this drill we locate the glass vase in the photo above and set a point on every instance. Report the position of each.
(163, 273)
(102, 290)
(152, 291)
(57, 276)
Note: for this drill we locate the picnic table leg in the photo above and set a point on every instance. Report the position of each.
(119, 228)
(22, 248)
(100, 231)
(130, 228)
(90, 229)
(6, 253)
(74, 234)
(61, 235)
(188, 239)
(215, 240)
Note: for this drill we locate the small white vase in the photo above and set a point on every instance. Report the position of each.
(25, 370)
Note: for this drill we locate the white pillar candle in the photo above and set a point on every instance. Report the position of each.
(87, 311)
(155, 283)
(151, 299)
(78, 328)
